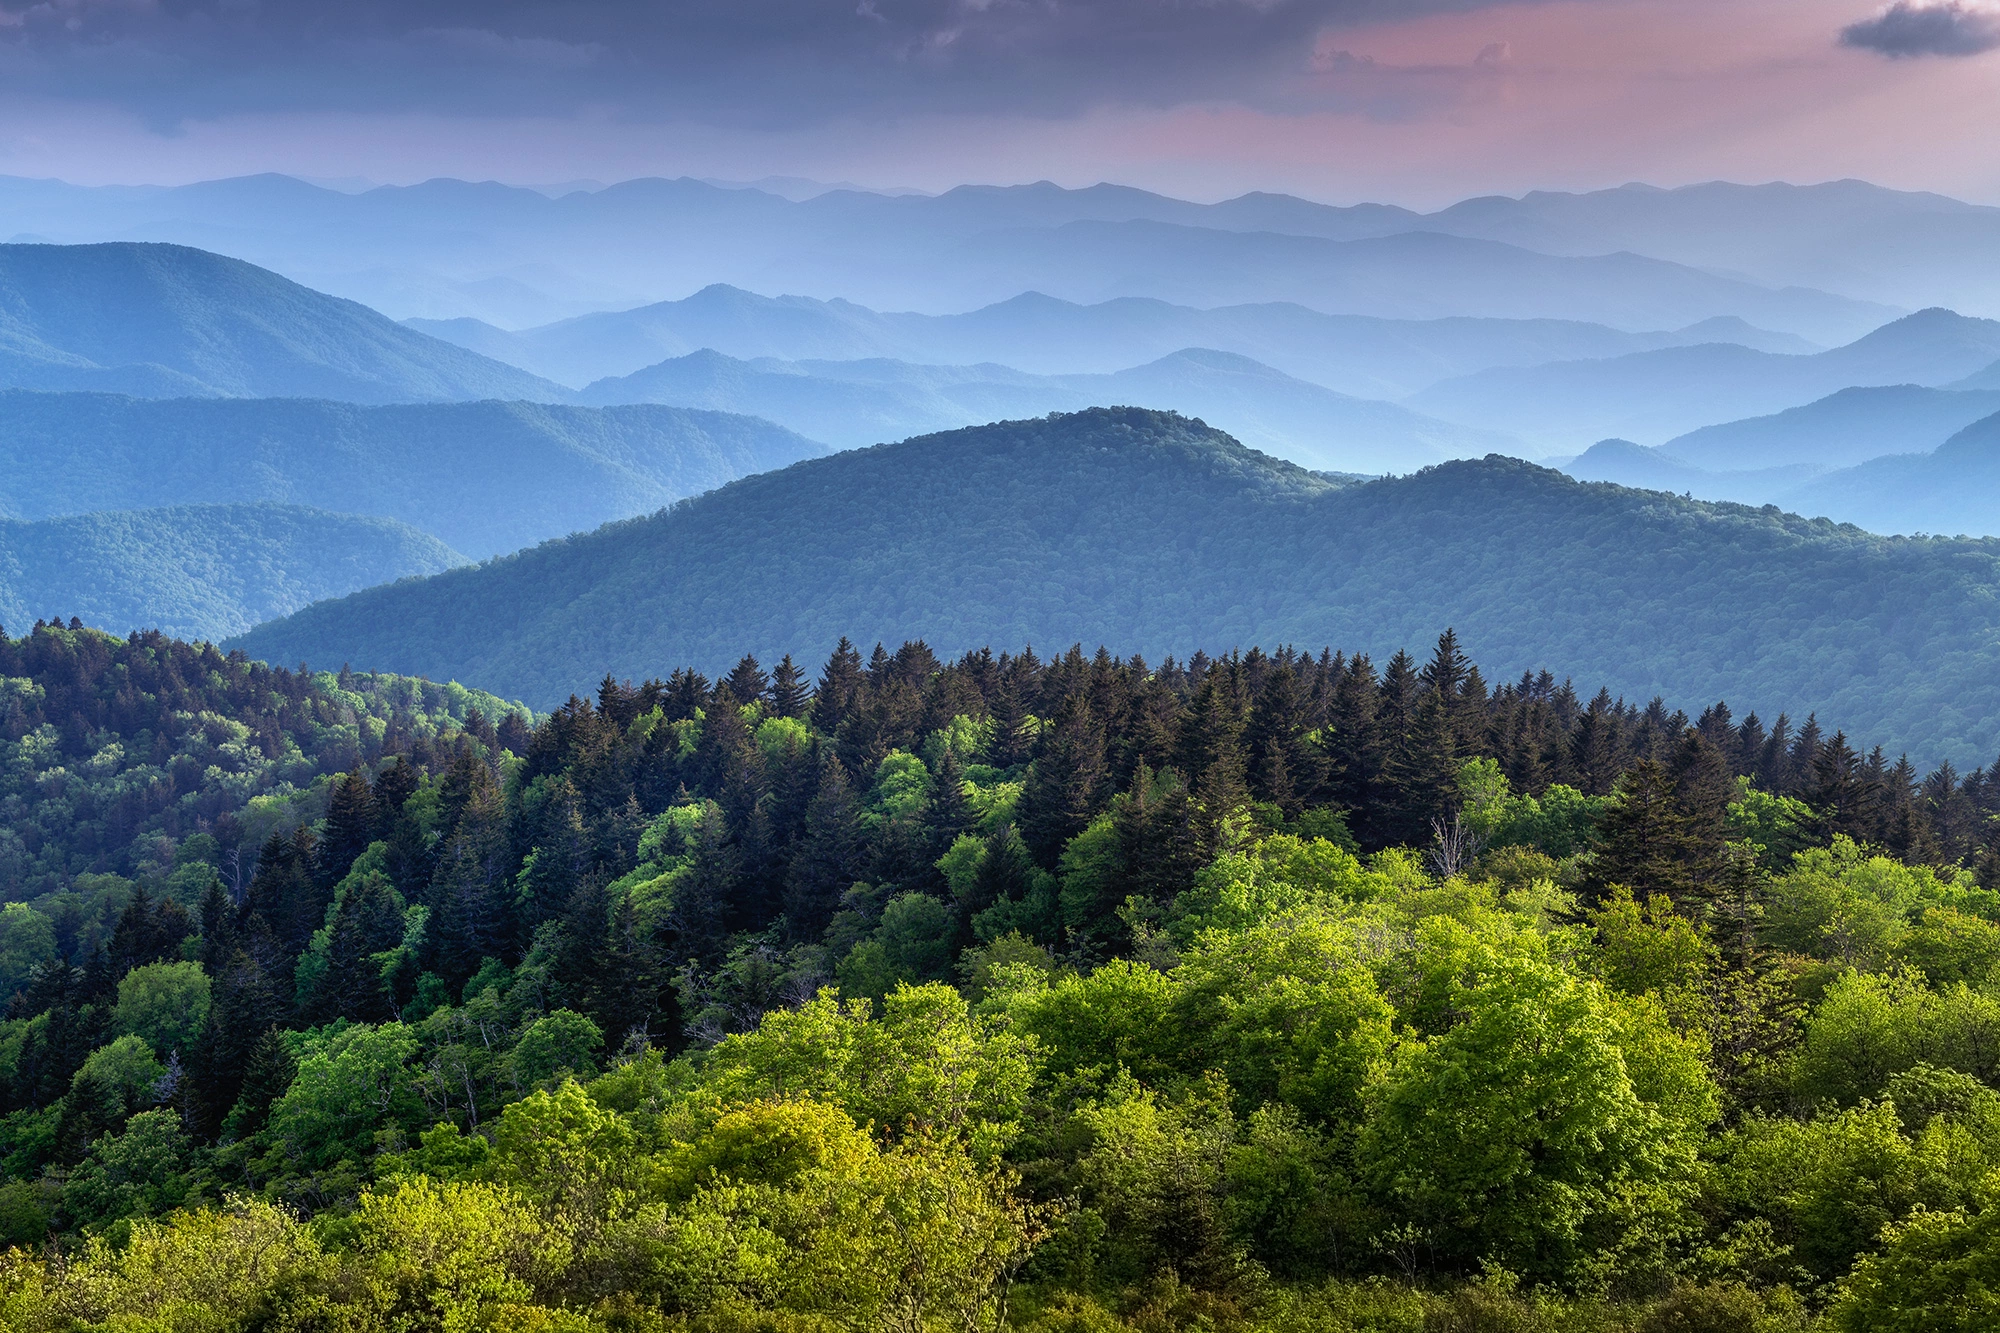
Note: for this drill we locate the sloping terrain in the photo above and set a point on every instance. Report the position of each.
(200, 571)
(1144, 529)
(485, 477)
(167, 321)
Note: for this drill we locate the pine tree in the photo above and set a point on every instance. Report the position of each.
(1211, 747)
(828, 856)
(1064, 784)
(367, 922)
(789, 693)
(704, 894)
(350, 826)
(839, 689)
(747, 682)
(1419, 775)
(267, 1076)
(1353, 746)
(1841, 793)
(1594, 747)
(947, 812)
(1646, 841)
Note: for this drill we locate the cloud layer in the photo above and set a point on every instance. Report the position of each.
(1927, 28)
(741, 61)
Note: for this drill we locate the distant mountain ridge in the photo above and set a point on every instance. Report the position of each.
(163, 321)
(854, 403)
(1952, 488)
(1145, 530)
(1653, 396)
(1353, 354)
(448, 248)
(486, 478)
(200, 571)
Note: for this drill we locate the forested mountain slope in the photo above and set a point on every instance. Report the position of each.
(485, 478)
(1147, 529)
(166, 321)
(201, 571)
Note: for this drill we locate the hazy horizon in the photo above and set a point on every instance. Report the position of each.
(1418, 102)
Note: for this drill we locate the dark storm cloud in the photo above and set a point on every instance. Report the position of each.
(737, 60)
(1920, 29)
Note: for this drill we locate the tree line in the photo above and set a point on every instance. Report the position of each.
(1272, 990)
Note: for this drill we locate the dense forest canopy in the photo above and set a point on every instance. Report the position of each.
(203, 570)
(1265, 991)
(1161, 535)
(484, 478)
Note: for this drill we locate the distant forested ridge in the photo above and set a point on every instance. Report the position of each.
(167, 321)
(1149, 530)
(485, 478)
(1259, 992)
(202, 571)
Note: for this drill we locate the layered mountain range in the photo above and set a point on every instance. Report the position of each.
(204, 439)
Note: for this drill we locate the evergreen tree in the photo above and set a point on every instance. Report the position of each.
(1595, 747)
(351, 819)
(747, 682)
(1647, 844)
(1842, 793)
(828, 855)
(789, 693)
(267, 1075)
(1353, 745)
(1211, 747)
(1419, 775)
(700, 920)
(1064, 784)
(839, 689)
(367, 923)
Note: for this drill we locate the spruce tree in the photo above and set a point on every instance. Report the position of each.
(747, 681)
(1065, 782)
(350, 826)
(1646, 843)
(789, 693)
(828, 856)
(839, 689)
(1211, 747)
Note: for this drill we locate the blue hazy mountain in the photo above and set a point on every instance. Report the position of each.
(200, 571)
(168, 321)
(1952, 488)
(1146, 530)
(485, 477)
(1654, 396)
(1352, 354)
(453, 248)
(853, 403)
(1840, 430)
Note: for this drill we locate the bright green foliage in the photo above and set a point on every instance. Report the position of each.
(353, 1083)
(1871, 1027)
(560, 1043)
(1515, 1131)
(1938, 1272)
(928, 1066)
(140, 1172)
(27, 940)
(164, 1003)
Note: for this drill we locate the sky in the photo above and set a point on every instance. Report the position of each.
(1410, 101)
